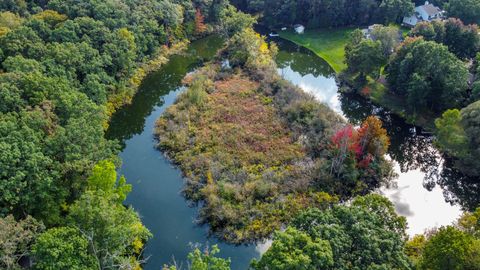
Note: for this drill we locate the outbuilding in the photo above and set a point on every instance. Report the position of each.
(299, 28)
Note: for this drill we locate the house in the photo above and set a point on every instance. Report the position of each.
(424, 13)
(367, 32)
(299, 28)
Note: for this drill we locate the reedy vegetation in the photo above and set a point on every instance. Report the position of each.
(256, 150)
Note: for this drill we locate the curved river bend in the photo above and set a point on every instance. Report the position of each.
(157, 184)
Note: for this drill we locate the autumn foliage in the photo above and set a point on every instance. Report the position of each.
(365, 144)
(200, 26)
(255, 150)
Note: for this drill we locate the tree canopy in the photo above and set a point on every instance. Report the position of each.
(63, 248)
(462, 40)
(451, 247)
(428, 76)
(327, 13)
(366, 235)
(467, 10)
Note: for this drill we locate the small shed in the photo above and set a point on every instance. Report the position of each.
(299, 28)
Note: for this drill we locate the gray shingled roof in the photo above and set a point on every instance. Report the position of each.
(431, 9)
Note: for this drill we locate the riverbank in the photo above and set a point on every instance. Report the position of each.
(256, 150)
(377, 92)
(329, 44)
(157, 185)
(124, 97)
(238, 156)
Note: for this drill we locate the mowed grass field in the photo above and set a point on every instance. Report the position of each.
(328, 44)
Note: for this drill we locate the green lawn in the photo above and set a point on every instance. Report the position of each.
(328, 44)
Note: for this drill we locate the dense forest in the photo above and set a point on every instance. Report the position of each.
(327, 13)
(262, 158)
(66, 66)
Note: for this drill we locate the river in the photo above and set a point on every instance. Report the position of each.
(157, 184)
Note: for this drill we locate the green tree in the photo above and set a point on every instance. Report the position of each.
(467, 10)
(414, 248)
(294, 249)
(51, 17)
(17, 6)
(470, 223)
(428, 76)
(470, 163)
(104, 178)
(115, 233)
(20, 64)
(62, 248)
(16, 237)
(366, 235)
(205, 260)
(451, 249)
(10, 20)
(430, 31)
(389, 37)
(122, 49)
(233, 21)
(462, 40)
(366, 58)
(29, 175)
(248, 49)
(424, 29)
(450, 133)
(395, 10)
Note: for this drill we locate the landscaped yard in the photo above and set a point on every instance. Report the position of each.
(328, 44)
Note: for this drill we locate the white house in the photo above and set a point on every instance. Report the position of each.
(424, 13)
(299, 28)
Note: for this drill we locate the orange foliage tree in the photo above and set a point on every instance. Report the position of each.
(365, 144)
(200, 26)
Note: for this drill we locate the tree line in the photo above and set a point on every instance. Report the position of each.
(326, 13)
(65, 66)
(367, 234)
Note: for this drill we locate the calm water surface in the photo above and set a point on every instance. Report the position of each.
(157, 184)
(416, 161)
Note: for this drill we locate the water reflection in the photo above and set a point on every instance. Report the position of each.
(458, 188)
(309, 72)
(413, 150)
(156, 183)
(410, 146)
(418, 163)
(303, 61)
(130, 120)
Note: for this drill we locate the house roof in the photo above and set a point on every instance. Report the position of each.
(431, 9)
